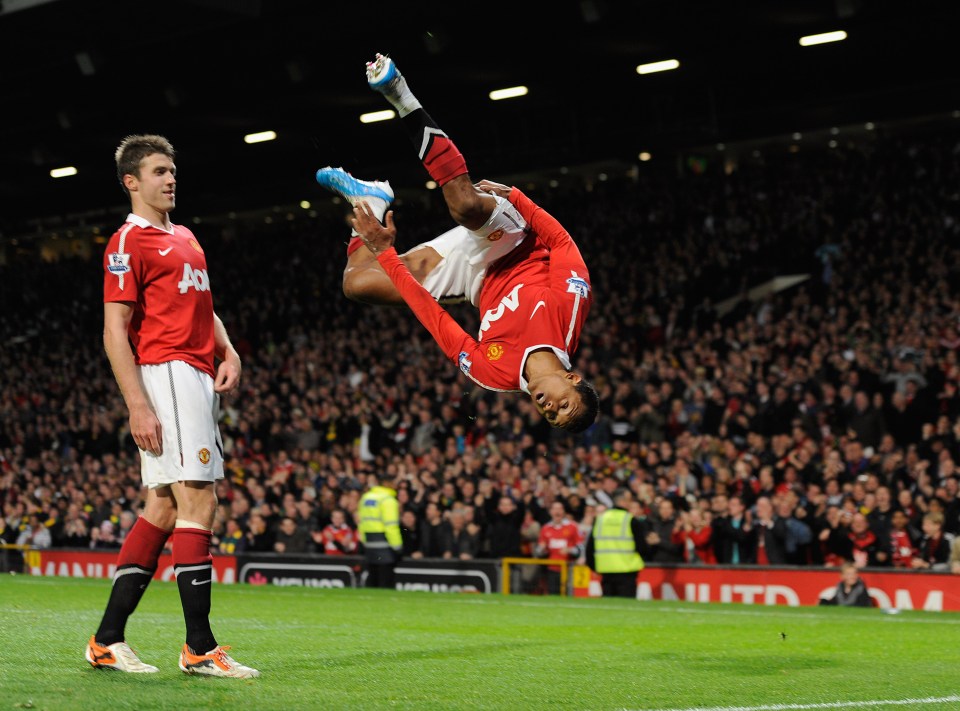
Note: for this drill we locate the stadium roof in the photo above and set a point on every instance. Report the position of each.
(76, 77)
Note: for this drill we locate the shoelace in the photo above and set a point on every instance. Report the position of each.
(221, 655)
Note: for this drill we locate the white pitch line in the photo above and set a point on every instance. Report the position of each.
(826, 705)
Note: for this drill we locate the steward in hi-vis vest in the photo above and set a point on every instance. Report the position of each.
(379, 529)
(616, 546)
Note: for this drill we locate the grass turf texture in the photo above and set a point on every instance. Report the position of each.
(368, 649)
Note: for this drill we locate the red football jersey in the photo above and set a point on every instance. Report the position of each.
(164, 276)
(537, 296)
(344, 535)
(560, 542)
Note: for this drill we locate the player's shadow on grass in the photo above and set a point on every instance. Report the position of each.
(408, 655)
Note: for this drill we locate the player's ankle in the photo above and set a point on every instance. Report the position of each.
(402, 99)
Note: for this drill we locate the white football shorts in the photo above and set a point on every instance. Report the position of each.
(467, 253)
(188, 410)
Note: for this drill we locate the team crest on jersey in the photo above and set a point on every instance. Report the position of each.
(196, 245)
(494, 351)
(204, 455)
(118, 263)
(495, 235)
(578, 285)
(464, 362)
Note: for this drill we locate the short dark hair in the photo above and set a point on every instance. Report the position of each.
(590, 402)
(134, 149)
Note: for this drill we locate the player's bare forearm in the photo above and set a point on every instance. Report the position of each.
(378, 238)
(228, 372)
(144, 426)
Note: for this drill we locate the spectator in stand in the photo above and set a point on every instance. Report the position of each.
(127, 520)
(733, 540)
(337, 537)
(834, 536)
(410, 532)
(663, 524)
(260, 538)
(933, 553)
(102, 537)
(866, 422)
(770, 534)
(291, 538)
(695, 536)
(233, 540)
(867, 549)
(903, 540)
(559, 540)
(431, 532)
(881, 515)
(851, 591)
(35, 534)
(75, 534)
(797, 535)
(529, 535)
(457, 540)
(504, 518)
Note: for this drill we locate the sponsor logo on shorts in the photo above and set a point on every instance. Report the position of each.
(495, 235)
(494, 351)
(196, 245)
(204, 455)
(118, 263)
(464, 362)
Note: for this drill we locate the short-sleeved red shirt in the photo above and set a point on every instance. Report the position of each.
(164, 275)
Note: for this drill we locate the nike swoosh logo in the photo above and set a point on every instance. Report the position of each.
(200, 582)
(164, 252)
(539, 304)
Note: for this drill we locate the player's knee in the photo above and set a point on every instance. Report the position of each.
(468, 207)
(353, 287)
(471, 217)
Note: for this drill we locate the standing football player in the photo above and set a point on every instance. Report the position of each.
(163, 341)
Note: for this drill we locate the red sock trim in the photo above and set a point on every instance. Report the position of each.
(191, 546)
(143, 545)
(444, 161)
(353, 245)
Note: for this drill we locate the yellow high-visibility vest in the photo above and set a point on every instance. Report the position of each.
(614, 549)
(379, 512)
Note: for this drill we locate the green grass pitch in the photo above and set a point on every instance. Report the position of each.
(373, 649)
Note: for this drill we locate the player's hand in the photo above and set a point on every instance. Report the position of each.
(146, 430)
(228, 376)
(378, 238)
(488, 186)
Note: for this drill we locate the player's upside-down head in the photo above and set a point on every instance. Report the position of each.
(566, 400)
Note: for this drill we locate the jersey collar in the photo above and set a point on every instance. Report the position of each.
(143, 223)
(562, 355)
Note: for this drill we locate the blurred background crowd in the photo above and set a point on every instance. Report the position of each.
(814, 425)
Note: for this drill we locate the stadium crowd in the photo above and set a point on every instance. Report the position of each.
(813, 426)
